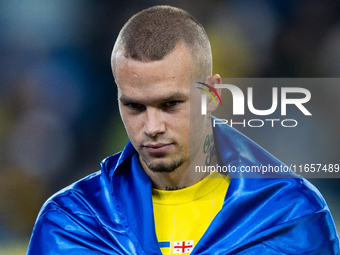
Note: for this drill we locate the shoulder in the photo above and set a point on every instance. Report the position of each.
(64, 217)
(302, 214)
(286, 215)
(295, 196)
(87, 197)
(82, 216)
(74, 193)
(70, 207)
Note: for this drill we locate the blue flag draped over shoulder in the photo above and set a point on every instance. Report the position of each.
(110, 212)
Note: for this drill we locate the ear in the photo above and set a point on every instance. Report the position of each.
(211, 105)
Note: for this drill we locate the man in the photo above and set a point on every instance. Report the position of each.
(144, 200)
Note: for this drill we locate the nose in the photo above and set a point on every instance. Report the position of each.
(154, 122)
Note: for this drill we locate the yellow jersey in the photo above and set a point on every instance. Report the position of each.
(182, 216)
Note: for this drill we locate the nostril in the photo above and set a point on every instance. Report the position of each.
(153, 122)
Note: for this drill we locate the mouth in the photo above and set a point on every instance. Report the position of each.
(155, 148)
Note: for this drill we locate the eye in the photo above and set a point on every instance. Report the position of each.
(134, 106)
(171, 103)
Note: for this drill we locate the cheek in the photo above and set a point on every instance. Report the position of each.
(182, 126)
(132, 130)
(132, 126)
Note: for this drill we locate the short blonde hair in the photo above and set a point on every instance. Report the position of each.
(153, 33)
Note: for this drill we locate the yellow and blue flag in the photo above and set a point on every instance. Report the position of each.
(165, 247)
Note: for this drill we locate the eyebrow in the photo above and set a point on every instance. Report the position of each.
(176, 96)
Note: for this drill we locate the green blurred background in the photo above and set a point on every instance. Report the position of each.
(58, 109)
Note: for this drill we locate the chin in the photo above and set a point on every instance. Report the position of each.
(162, 165)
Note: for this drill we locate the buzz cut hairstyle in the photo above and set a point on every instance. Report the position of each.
(153, 33)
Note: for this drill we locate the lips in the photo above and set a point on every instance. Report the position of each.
(157, 147)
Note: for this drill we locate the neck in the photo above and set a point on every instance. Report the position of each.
(186, 175)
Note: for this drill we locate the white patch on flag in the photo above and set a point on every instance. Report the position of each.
(183, 246)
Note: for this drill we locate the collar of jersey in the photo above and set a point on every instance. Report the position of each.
(189, 194)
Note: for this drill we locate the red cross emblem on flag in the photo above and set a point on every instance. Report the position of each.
(183, 246)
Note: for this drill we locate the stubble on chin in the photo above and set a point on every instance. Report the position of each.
(163, 167)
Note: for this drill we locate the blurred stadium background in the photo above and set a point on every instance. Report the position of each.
(58, 110)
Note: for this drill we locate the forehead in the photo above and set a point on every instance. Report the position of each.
(169, 74)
